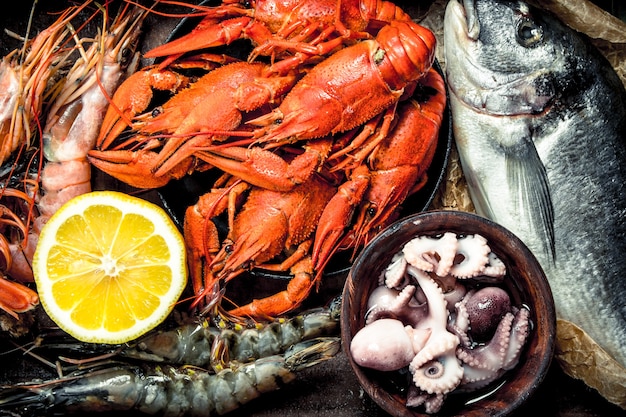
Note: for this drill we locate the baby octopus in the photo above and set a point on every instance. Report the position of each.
(439, 314)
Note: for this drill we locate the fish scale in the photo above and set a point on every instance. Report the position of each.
(538, 117)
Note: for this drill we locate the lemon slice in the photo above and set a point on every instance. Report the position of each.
(109, 267)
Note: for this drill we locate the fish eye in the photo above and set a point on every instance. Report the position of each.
(529, 33)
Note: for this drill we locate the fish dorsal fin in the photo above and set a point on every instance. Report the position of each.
(527, 177)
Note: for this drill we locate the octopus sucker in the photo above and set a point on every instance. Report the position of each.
(394, 276)
(438, 376)
(491, 355)
(494, 267)
(438, 314)
(432, 402)
(520, 329)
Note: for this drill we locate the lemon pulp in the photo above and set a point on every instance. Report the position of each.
(109, 267)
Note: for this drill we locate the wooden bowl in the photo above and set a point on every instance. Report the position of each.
(525, 281)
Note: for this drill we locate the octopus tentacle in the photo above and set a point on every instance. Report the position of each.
(495, 267)
(455, 295)
(394, 275)
(453, 290)
(491, 355)
(432, 402)
(437, 307)
(387, 302)
(520, 330)
(475, 253)
(432, 254)
(460, 323)
(476, 378)
(504, 355)
(435, 368)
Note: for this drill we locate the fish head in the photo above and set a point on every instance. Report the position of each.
(508, 56)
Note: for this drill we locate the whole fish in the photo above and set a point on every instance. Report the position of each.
(539, 118)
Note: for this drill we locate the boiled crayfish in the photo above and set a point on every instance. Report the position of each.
(291, 218)
(216, 101)
(291, 31)
(316, 157)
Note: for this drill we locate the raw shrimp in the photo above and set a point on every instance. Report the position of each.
(24, 78)
(74, 115)
(164, 389)
(74, 119)
(204, 345)
(215, 347)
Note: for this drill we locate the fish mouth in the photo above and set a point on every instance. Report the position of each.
(461, 30)
(471, 18)
(463, 14)
(460, 34)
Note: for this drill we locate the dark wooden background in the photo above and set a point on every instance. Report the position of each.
(329, 389)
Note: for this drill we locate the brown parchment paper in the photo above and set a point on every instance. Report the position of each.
(579, 356)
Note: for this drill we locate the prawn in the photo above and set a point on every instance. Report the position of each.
(74, 119)
(157, 389)
(214, 347)
(76, 110)
(24, 77)
(25, 74)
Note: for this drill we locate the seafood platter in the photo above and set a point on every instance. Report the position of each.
(187, 185)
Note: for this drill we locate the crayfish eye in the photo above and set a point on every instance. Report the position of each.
(156, 111)
(123, 57)
(371, 211)
(228, 248)
(529, 33)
